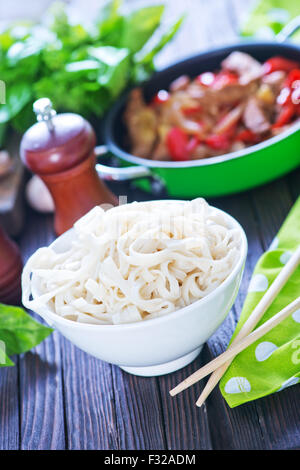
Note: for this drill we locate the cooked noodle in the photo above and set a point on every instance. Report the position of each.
(134, 262)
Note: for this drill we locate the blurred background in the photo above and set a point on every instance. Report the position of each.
(208, 23)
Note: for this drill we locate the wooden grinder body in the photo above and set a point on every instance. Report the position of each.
(64, 158)
(10, 270)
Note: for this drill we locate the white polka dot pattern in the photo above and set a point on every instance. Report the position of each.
(296, 316)
(237, 385)
(285, 257)
(264, 350)
(259, 283)
(288, 383)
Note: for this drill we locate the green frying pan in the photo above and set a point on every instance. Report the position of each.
(216, 176)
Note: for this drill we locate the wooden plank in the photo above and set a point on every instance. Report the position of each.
(234, 428)
(139, 412)
(278, 414)
(272, 203)
(293, 180)
(42, 417)
(12, 200)
(107, 408)
(103, 407)
(40, 388)
(255, 425)
(88, 401)
(260, 424)
(186, 426)
(9, 408)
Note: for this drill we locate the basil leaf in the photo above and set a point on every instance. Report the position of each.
(80, 69)
(108, 19)
(4, 359)
(139, 27)
(116, 67)
(17, 96)
(19, 331)
(2, 134)
(82, 66)
(151, 49)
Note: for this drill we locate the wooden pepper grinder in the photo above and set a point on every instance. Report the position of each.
(10, 270)
(59, 148)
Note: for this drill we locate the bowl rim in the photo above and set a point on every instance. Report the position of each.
(171, 315)
(121, 153)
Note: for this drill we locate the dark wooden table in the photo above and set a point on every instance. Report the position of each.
(58, 397)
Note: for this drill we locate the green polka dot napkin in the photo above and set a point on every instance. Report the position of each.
(272, 363)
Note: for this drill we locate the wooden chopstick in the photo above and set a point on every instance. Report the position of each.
(252, 321)
(248, 326)
(238, 347)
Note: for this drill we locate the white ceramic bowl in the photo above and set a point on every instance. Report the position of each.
(160, 345)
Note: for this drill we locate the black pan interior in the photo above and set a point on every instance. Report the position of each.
(114, 129)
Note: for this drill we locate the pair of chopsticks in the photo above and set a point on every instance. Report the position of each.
(246, 336)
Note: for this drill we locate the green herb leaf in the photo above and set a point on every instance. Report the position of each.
(4, 359)
(151, 49)
(115, 70)
(19, 331)
(81, 70)
(17, 96)
(109, 20)
(139, 27)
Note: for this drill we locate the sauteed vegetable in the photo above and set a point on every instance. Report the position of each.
(217, 112)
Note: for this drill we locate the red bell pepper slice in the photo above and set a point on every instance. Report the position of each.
(279, 63)
(285, 115)
(247, 136)
(161, 97)
(191, 110)
(218, 141)
(224, 78)
(206, 78)
(177, 143)
(293, 76)
(192, 144)
(218, 80)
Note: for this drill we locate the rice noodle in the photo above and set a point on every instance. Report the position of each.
(134, 262)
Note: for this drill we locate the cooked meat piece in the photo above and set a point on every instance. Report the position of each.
(227, 96)
(254, 117)
(203, 151)
(279, 130)
(274, 80)
(6, 163)
(233, 93)
(229, 121)
(180, 83)
(160, 151)
(173, 115)
(244, 65)
(141, 124)
(237, 146)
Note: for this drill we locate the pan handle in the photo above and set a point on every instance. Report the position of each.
(288, 30)
(110, 173)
